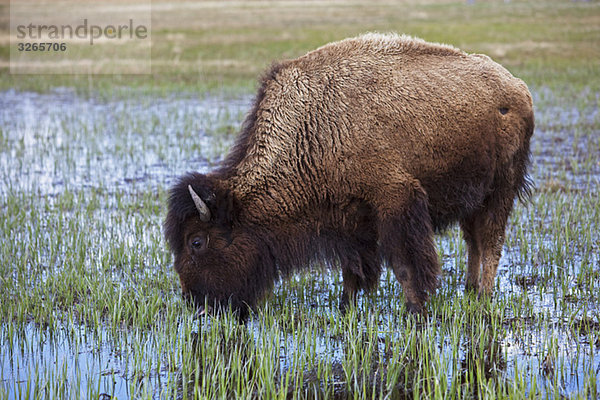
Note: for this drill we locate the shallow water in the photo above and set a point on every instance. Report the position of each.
(58, 142)
(63, 356)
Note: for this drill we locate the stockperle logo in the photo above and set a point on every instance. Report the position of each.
(80, 37)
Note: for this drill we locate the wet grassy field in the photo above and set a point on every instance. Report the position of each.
(90, 305)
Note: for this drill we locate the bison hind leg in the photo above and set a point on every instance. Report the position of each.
(484, 233)
(472, 236)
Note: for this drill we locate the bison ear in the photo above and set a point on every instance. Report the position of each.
(227, 207)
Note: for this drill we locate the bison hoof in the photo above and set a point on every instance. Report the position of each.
(484, 294)
(414, 309)
(346, 302)
(344, 306)
(472, 288)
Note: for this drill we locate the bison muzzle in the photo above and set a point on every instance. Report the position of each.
(355, 154)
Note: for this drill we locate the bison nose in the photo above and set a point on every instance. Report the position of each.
(204, 311)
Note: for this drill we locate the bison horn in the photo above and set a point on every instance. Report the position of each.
(200, 205)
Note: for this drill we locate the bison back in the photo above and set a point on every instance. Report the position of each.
(353, 114)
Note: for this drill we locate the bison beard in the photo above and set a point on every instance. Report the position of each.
(355, 154)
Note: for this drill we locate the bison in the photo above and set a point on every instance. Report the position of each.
(355, 154)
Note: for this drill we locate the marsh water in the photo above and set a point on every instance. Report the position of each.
(59, 140)
(62, 142)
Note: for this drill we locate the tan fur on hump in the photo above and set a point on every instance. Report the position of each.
(393, 42)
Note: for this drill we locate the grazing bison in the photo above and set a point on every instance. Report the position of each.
(355, 154)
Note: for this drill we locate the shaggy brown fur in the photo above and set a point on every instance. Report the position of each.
(356, 153)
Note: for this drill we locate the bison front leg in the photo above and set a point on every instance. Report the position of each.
(362, 270)
(350, 290)
(406, 242)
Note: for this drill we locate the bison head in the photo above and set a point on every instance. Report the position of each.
(218, 260)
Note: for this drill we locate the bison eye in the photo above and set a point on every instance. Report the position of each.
(198, 242)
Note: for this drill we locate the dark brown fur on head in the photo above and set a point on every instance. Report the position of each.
(356, 154)
(220, 263)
